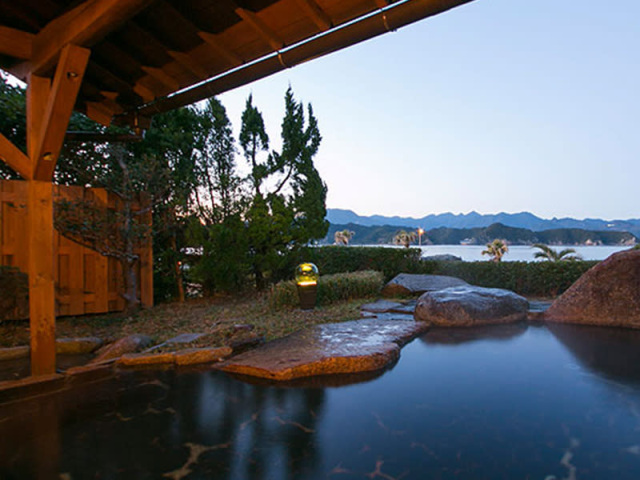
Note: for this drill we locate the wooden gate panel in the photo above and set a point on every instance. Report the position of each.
(86, 282)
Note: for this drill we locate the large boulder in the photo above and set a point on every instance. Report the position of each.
(607, 295)
(469, 306)
(415, 284)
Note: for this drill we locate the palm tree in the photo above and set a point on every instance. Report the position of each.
(548, 253)
(496, 250)
(343, 237)
(404, 238)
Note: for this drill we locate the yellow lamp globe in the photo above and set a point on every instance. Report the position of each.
(307, 274)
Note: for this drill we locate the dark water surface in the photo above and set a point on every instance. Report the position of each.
(516, 402)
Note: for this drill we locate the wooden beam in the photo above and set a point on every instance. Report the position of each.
(259, 26)
(382, 3)
(41, 278)
(38, 91)
(14, 157)
(313, 11)
(84, 26)
(222, 50)
(64, 91)
(16, 43)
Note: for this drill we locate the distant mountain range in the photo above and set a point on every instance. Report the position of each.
(476, 220)
(384, 234)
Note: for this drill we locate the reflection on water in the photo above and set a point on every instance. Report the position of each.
(497, 402)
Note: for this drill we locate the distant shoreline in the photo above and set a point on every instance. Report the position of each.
(516, 253)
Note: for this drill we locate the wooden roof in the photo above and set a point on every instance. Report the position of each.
(144, 51)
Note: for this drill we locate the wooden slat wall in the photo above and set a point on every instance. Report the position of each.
(86, 282)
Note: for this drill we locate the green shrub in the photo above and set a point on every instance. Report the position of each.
(331, 289)
(14, 294)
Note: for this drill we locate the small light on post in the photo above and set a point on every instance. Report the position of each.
(420, 232)
(307, 283)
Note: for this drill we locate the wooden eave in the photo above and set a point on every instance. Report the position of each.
(145, 51)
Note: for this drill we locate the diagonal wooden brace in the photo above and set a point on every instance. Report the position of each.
(62, 97)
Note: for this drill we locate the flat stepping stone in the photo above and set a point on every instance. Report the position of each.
(137, 359)
(130, 344)
(75, 346)
(185, 338)
(193, 356)
(539, 305)
(349, 347)
(176, 342)
(11, 353)
(537, 309)
(415, 284)
(406, 308)
(381, 306)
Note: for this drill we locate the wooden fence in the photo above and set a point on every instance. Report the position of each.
(86, 282)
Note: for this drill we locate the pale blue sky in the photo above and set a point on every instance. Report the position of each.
(498, 105)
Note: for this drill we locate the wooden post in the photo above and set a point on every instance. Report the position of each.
(41, 278)
(49, 107)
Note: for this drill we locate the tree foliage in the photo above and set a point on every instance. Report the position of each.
(404, 238)
(343, 237)
(547, 253)
(496, 250)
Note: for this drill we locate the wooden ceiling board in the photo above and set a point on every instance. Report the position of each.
(169, 25)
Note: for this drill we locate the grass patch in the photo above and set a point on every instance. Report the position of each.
(215, 317)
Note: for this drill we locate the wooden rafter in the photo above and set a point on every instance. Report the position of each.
(261, 28)
(220, 48)
(189, 63)
(315, 13)
(183, 60)
(15, 158)
(64, 90)
(84, 26)
(382, 3)
(16, 43)
(162, 77)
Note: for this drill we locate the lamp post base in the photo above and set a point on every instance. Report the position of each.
(307, 295)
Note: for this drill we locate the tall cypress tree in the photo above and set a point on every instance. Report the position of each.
(292, 212)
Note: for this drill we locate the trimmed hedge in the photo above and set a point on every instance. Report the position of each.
(544, 279)
(389, 261)
(331, 289)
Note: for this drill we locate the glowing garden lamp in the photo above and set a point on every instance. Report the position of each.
(307, 283)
